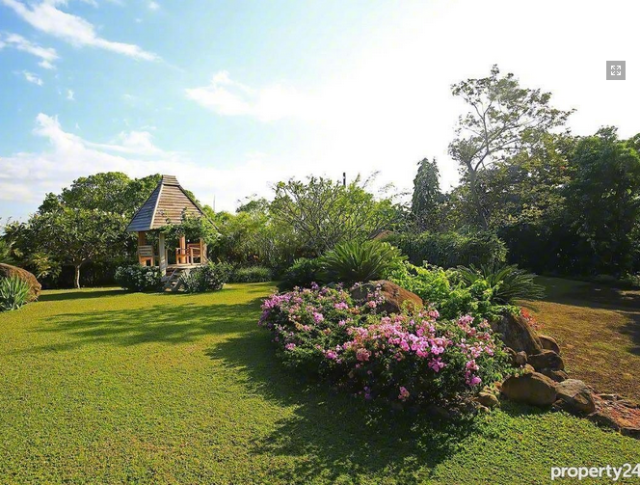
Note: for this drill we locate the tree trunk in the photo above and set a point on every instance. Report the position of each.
(475, 196)
(76, 279)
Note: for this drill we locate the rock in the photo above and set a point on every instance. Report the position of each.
(517, 334)
(549, 343)
(535, 389)
(547, 359)
(628, 403)
(528, 368)
(556, 375)
(604, 418)
(631, 432)
(7, 271)
(396, 298)
(577, 396)
(520, 359)
(487, 399)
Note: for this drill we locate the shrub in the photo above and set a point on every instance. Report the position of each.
(14, 293)
(251, 274)
(355, 262)
(508, 283)
(441, 289)
(409, 357)
(452, 249)
(139, 278)
(302, 273)
(210, 277)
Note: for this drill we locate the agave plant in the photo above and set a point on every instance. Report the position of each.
(14, 293)
(353, 262)
(509, 283)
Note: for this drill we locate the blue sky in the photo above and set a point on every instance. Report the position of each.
(234, 96)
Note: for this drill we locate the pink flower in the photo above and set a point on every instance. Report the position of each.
(290, 346)
(341, 306)
(475, 380)
(331, 355)
(372, 304)
(363, 355)
(318, 317)
(404, 394)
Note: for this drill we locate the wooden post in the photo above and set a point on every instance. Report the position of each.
(142, 240)
(203, 251)
(163, 254)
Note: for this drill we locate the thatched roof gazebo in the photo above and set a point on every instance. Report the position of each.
(166, 206)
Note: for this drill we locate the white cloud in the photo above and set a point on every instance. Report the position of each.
(47, 55)
(71, 96)
(26, 177)
(153, 5)
(32, 78)
(46, 17)
(227, 97)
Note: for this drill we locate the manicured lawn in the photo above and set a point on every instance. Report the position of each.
(99, 386)
(598, 328)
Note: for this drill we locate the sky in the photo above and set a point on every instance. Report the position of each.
(234, 96)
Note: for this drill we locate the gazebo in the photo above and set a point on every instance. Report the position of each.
(166, 206)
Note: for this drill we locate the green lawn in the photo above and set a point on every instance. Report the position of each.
(99, 386)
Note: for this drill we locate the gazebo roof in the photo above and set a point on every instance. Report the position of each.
(165, 206)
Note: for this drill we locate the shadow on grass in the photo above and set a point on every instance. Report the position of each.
(334, 435)
(80, 295)
(168, 323)
(632, 329)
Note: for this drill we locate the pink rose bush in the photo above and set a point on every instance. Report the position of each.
(411, 358)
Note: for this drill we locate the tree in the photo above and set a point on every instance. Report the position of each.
(77, 236)
(602, 198)
(503, 119)
(427, 197)
(322, 213)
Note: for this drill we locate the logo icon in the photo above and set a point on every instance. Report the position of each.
(616, 70)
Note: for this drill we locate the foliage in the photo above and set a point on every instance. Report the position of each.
(251, 274)
(302, 273)
(503, 119)
(210, 277)
(136, 277)
(354, 262)
(602, 200)
(193, 229)
(7, 255)
(427, 197)
(441, 289)
(323, 213)
(451, 249)
(508, 283)
(14, 293)
(411, 358)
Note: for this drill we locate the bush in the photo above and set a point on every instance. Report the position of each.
(302, 273)
(355, 262)
(443, 290)
(507, 284)
(449, 250)
(416, 358)
(251, 274)
(139, 278)
(14, 293)
(210, 277)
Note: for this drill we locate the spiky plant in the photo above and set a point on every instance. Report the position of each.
(14, 293)
(509, 283)
(354, 262)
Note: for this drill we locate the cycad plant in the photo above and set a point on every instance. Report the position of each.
(509, 283)
(14, 293)
(355, 261)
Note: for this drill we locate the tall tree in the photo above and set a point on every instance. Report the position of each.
(427, 197)
(503, 119)
(603, 204)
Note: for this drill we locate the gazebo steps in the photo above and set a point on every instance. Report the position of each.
(172, 279)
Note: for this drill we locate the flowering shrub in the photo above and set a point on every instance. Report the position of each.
(408, 357)
(139, 278)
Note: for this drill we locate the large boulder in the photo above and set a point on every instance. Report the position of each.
(549, 343)
(546, 359)
(7, 271)
(534, 388)
(396, 298)
(556, 375)
(517, 334)
(576, 397)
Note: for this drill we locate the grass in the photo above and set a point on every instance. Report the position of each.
(598, 328)
(100, 386)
